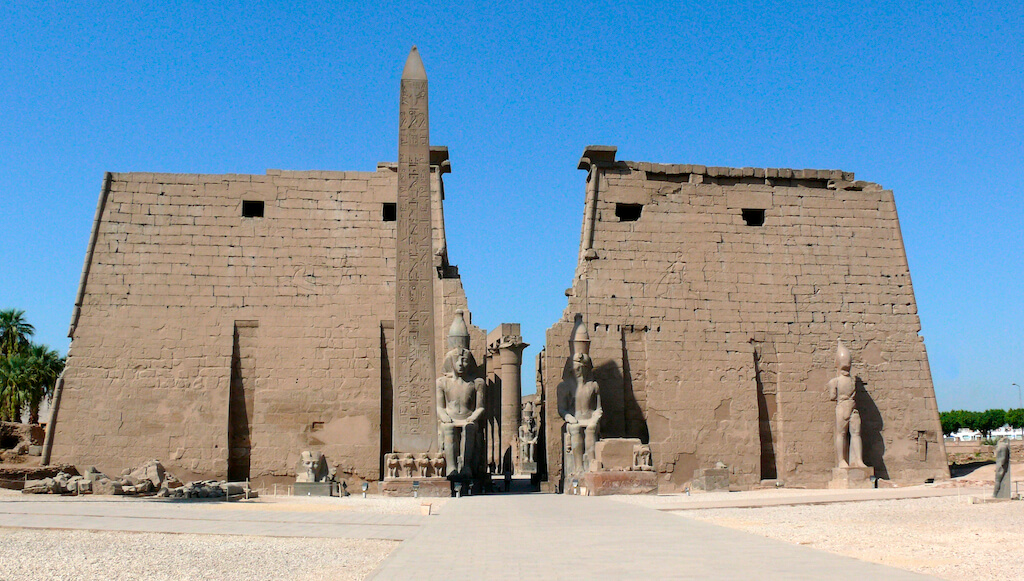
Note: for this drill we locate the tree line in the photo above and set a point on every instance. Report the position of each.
(28, 371)
(985, 422)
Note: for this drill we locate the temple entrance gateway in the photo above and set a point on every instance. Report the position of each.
(694, 346)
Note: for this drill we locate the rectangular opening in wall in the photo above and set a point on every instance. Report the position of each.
(252, 209)
(753, 217)
(676, 178)
(389, 212)
(628, 212)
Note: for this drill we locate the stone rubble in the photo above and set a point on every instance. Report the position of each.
(148, 479)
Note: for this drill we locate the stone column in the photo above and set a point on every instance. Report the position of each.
(414, 424)
(507, 341)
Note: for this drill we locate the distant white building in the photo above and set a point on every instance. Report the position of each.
(965, 435)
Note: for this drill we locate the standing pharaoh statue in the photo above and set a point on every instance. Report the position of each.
(842, 389)
(528, 434)
(460, 402)
(579, 404)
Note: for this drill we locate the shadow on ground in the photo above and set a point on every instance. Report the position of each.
(958, 470)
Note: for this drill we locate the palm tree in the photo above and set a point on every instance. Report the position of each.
(44, 367)
(14, 376)
(14, 332)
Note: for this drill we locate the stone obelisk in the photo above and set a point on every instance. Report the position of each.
(414, 422)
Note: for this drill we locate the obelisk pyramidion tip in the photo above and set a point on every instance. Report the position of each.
(414, 67)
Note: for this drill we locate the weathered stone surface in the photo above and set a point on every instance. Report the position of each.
(712, 479)
(852, 477)
(1002, 478)
(428, 487)
(106, 486)
(19, 440)
(151, 472)
(40, 486)
(313, 488)
(712, 335)
(414, 415)
(616, 453)
(186, 301)
(620, 482)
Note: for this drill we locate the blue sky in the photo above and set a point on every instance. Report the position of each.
(926, 98)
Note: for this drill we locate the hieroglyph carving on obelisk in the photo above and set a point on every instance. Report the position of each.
(414, 420)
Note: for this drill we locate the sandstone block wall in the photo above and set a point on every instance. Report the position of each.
(220, 343)
(714, 337)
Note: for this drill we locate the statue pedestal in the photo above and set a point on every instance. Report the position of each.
(431, 487)
(603, 483)
(527, 467)
(712, 479)
(313, 489)
(852, 477)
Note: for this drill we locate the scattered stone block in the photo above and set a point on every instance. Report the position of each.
(106, 486)
(712, 479)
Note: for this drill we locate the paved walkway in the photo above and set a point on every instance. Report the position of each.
(549, 536)
(214, 518)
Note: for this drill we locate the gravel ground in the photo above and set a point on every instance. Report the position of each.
(373, 504)
(132, 556)
(946, 536)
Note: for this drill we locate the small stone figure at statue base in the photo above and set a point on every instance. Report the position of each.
(415, 475)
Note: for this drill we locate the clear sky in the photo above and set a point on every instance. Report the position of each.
(926, 98)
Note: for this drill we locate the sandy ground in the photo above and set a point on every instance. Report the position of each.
(131, 556)
(373, 504)
(946, 537)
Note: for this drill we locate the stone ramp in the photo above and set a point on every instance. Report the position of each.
(567, 537)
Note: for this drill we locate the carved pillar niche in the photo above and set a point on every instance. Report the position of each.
(508, 344)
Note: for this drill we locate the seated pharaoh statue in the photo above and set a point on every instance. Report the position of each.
(842, 388)
(460, 402)
(579, 404)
